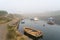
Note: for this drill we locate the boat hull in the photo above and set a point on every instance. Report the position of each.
(51, 23)
(31, 36)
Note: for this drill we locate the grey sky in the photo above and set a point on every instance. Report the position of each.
(32, 6)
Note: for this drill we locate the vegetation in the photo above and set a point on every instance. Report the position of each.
(11, 33)
(4, 17)
(2, 13)
(4, 20)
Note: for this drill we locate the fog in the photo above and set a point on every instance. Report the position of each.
(29, 6)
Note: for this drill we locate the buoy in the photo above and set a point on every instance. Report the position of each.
(43, 24)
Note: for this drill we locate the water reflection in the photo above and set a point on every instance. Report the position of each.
(51, 32)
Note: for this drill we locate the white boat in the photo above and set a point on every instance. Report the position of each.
(22, 21)
(36, 19)
(51, 20)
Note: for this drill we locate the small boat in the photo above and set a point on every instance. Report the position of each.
(32, 32)
(31, 19)
(23, 22)
(51, 21)
(36, 19)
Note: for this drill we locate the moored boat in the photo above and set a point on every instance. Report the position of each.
(51, 21)
(32, 32)
(23, 22)
(36, 19)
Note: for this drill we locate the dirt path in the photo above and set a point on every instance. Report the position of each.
(3, 29)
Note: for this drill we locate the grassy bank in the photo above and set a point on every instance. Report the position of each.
(13, 33)
(4, 20)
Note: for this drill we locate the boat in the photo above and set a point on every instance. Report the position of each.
(31, 19)
(22, 21)
(36, 19)
(32, 32)
(51, 21)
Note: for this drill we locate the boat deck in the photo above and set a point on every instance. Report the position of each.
(32, 32)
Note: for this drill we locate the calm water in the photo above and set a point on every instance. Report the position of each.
(50, 32)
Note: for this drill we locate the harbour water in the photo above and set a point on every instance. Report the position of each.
(50, 32)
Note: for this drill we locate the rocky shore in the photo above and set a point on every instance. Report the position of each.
(13, 33)
(9, 30)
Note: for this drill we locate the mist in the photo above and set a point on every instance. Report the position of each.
(29, 6)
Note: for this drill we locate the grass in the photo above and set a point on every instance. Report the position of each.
(4, 20)
(14, 34)
(11, 33)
